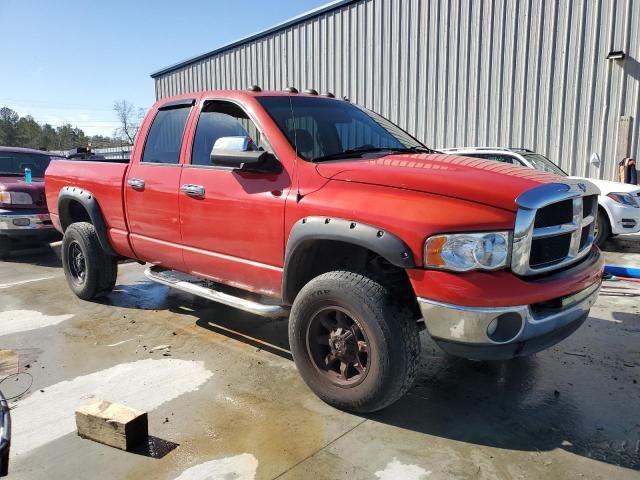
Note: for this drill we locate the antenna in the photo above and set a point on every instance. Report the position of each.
(296, 170)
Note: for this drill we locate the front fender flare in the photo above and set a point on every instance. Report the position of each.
(90, 204)
(378, 240)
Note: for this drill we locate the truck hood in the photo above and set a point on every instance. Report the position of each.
(607, 187)
(18, 184)
(481, 181)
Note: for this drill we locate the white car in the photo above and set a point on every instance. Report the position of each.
(619, 203)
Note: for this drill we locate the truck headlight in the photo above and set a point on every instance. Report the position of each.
(624, 199)
(15, 198)
(462, 252)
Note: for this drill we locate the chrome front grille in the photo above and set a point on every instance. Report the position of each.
(554, 226)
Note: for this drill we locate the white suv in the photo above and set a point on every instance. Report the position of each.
(620, 202)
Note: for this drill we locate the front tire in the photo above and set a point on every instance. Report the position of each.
(603, 228)
(90, 271)
(354, 347)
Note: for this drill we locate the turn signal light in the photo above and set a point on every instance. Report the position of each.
(15, 198)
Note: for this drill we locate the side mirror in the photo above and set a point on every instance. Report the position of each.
(238, 153)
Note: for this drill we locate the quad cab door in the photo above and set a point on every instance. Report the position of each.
(232, 220)
(152, 185)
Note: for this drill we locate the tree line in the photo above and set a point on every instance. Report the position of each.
(17, 131)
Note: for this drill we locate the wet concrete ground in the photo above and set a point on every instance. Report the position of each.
(225, 400)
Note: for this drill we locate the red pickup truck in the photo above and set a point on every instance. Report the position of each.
(304, 205)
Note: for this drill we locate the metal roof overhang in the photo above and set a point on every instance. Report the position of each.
(316, 12)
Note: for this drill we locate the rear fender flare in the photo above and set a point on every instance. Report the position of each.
(85, 198)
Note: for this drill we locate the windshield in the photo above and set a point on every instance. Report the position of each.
(324, 129)
(14, 163)
(543, 163)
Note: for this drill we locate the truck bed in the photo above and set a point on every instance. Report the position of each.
(103, 178)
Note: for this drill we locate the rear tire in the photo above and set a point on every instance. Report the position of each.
(353, 345)
(603, 228)
(90, 271)
(5, 247)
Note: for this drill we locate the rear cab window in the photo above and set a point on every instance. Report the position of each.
(164, 139)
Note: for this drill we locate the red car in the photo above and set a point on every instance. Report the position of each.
(23, 209)
(270, 201)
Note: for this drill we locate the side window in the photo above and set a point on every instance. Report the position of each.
(494, 156)
(165, 136)
(222, 119)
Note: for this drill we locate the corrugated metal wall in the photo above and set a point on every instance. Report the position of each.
(521, 73)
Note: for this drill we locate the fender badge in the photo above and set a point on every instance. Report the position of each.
(582, 187)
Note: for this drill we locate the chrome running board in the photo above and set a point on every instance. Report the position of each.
(198, 287)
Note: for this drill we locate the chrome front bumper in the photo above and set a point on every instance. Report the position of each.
(24, 221)
(505, 332)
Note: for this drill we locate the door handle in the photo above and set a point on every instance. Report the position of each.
(136, 183)
(193, 190)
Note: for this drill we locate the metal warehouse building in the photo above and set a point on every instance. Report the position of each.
(561, 77)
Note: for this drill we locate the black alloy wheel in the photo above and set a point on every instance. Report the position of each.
(76, 263)
(338, 346)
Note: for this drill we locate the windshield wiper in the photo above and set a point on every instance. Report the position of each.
(11, 174)
(361, 150)
(351, 152)
(416, 150)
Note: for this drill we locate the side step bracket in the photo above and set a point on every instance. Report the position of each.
(199, 287)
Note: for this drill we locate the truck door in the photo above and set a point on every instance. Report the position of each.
(232, 221)
(151, 189)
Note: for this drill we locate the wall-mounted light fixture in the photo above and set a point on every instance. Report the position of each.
(616, 55)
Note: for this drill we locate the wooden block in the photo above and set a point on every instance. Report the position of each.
(112, 424)
(8, 363)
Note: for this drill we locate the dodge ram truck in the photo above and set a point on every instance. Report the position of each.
(23, 211)
(307, 206)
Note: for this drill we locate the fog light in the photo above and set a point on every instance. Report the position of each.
(491, 329)
(628, 223)
(505, 327)
(21, 222)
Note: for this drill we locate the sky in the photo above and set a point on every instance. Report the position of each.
(69, 60)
